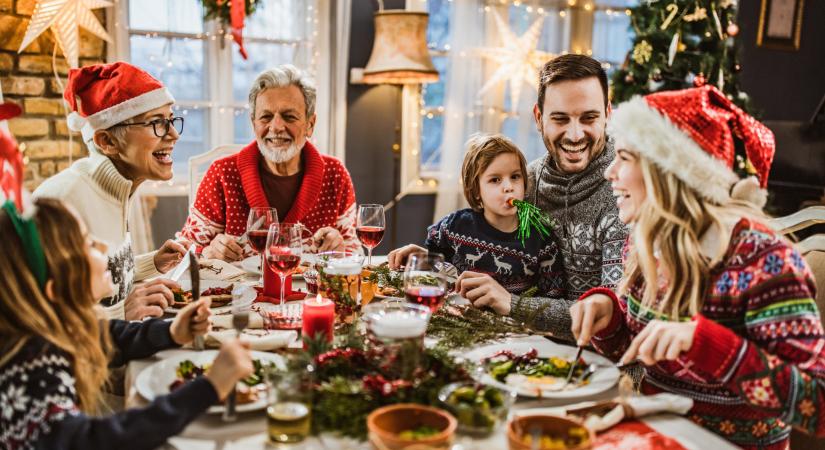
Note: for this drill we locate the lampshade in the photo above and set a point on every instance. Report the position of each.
(399, 53)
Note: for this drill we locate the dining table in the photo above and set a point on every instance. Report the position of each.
(249, 431)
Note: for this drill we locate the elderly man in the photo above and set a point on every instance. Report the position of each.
(568, 183)
(125, 118)
(281, 170)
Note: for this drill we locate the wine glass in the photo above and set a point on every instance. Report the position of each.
(370, 227)
(423, 283)
(257, 228)
(284, 246)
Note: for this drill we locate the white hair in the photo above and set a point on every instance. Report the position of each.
(283, 76)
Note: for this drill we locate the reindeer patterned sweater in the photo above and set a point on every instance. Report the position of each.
(470, 243)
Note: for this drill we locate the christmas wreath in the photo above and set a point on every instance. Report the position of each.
(220, 9)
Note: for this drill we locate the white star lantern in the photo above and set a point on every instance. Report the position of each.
(518, 60)
(64, 16)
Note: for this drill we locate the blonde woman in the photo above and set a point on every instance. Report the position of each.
(714, 304)
(55, 348)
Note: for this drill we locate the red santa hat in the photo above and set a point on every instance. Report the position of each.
(691, 133)
(103, 95)
(11, 161)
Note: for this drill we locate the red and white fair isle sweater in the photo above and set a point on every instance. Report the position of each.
(232, 185)
(757, 363)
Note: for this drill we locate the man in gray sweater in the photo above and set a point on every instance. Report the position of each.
(568, 183)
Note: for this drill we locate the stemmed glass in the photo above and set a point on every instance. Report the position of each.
(423, 283)
(257, 228)
(369, 227)
(284, 246)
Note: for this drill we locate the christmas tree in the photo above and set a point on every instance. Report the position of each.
(681, 44)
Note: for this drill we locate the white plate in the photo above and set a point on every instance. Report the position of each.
(154, 380)
(603, 378)
(186, 285)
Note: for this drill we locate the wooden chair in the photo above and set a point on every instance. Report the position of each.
(196, 162)
(813, 249)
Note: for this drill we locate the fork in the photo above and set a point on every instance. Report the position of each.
(573, 366)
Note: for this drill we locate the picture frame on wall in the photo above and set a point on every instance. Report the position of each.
(780, 24)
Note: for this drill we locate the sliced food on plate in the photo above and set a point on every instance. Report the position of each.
(249, 390)
(219, 296)
(529, 371)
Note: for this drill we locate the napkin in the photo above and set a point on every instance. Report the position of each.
(617, 409)
(216, 269)
(225, 321)
(261, 340)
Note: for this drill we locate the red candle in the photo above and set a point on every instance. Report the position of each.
(318, 316)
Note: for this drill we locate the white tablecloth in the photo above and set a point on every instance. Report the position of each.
(209, 432)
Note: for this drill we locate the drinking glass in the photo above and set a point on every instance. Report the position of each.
(289, 410)
(284, 246)
(395, 330)
(369, 227)
(339, 279)
(423, 283)
(257, 228)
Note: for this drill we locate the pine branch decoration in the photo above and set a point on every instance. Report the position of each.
(530, 216)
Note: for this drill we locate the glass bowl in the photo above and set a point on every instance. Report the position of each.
(479, 408)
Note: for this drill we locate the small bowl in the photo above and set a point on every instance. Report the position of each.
(385, 424)
(555, 426)
(477, 419)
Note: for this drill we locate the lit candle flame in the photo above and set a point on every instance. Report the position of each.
(318, 299)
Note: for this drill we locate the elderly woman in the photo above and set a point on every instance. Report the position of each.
(125, 117)
(714, 304)
(280, 170)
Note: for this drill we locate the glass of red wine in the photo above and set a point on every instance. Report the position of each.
(370, 227)
(423, 284)
(257, 228)
(284, 246)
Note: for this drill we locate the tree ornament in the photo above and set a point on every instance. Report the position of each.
(733, 29)
(232, 13)
(657, 75)
(698, 14)
(673, 11)
(673, 49)
(737, 68)
(530, 216)
(642, 52)
(717, 22)
(629, 78)
(699, 80)
(64, 16)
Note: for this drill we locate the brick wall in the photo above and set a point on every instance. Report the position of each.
(28, 80)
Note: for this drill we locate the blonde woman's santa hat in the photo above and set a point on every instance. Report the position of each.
(692, 134)
(103, 95)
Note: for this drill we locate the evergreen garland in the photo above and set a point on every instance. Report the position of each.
(217, 9)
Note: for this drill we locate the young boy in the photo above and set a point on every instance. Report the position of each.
(484, 237)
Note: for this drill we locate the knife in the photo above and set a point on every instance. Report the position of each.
(195, 278)
(179, 269)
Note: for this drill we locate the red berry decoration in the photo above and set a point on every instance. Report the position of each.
(700, 80)
(733, 29)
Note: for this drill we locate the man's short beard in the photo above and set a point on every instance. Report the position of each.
(278, 156)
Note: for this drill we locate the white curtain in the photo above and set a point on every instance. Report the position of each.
(465, 112)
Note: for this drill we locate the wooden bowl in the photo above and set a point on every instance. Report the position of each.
(555, 426)
(385, 424)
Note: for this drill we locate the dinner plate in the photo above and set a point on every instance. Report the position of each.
(602, 379)
(154, 380)
(186, 285)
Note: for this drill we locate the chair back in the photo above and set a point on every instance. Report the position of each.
(198, 165)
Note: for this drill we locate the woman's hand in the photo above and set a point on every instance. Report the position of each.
(660, 341)
(482, 290)
(191, 321)
(589, 316)
(398, 257)
(224, 247)
(234, 363)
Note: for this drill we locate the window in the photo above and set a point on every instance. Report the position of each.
(200, 64)
(609, 43)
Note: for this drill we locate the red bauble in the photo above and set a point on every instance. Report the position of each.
(733, 29)
(700, 80)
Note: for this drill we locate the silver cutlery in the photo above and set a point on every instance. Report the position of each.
(573, 366)
(240, 320)
(195, 278)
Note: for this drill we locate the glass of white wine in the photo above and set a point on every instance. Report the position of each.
(289, 410)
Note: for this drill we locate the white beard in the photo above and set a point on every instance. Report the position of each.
(275, 155)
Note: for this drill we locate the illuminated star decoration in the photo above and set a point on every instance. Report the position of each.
(64, 16)
(518, 60)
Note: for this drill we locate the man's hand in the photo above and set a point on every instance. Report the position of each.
(660, 341)
(398, 257)
(170, 254)
(327, 239)
(149, 299)
(482, 290)
(191, 321)
(589, 316)
(224, 247)
(233, 363)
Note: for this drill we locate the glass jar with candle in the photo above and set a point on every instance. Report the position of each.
(289, 410)
(339, 279)
(396, 331)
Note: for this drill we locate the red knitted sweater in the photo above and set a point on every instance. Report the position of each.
(232, 185)
(757, 363)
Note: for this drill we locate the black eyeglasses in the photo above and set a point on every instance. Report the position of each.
(159, 126)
